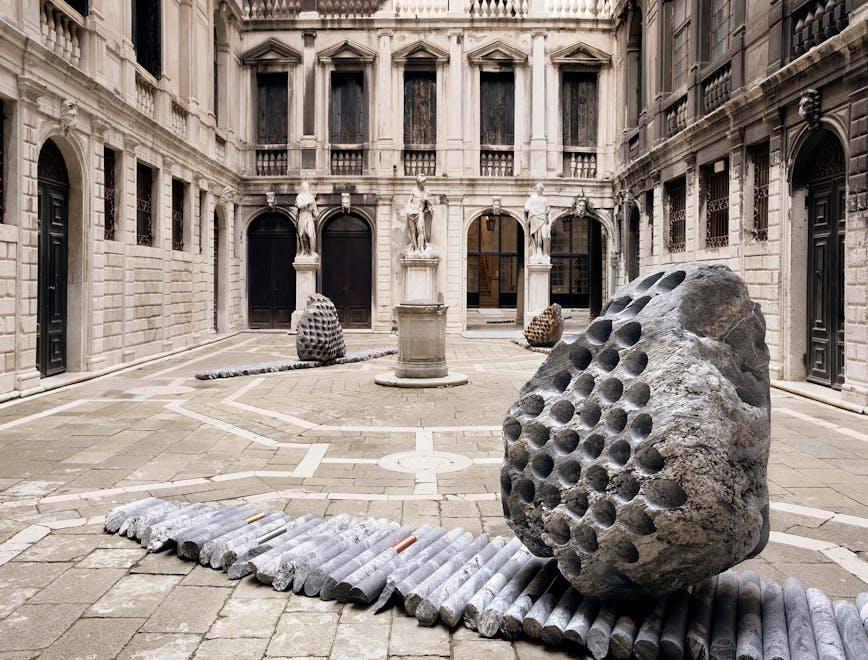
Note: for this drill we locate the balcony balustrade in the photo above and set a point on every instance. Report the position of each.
(816, 22)
(420, 161)
(271, 161)
(716, 88)
(62, 30)
(496, 162)
(579, 164)
(676, 117)
(347, 161)
(269, 10)
(421, 7)
(179, 120)
(145, 93)
(220, 148)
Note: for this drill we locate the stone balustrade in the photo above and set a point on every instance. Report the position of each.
(716, 88)
(270, 9)
(421, 7)
(676, 117)
(496, 163)
(420, 161)
(255, 10)
(62, 31)
(220, 148)
(145, 95)
(179, 120)
(580, 165)
(347, 161)
(271, 161)
(578, 8)
(816, 22)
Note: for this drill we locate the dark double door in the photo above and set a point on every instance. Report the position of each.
(577, 264)
(826, 233)
(271, 277)
(53, 236)
(347, 269)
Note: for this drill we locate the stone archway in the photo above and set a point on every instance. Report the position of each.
(270, 275)
(495, 262)
(347, 268)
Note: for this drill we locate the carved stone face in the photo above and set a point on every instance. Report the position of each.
(420, 180)
(305, 186)
(539, 189)
(581, 206)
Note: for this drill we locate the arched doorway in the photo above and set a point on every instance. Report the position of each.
(52, 277)
(633, 243)
(270, 275)
(216, 274)
(495, 259)
(577, 263)
(347, 269)
(820, 169)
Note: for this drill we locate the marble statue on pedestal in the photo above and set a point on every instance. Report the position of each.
(419, 215)
(307, 212)
(539, 223)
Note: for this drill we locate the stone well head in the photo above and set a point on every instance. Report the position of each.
(637, 453)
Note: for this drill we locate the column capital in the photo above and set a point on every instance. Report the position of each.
(455, 33)
(538, 33)
(384, 33)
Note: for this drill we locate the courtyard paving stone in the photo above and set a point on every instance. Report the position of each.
(69, 588)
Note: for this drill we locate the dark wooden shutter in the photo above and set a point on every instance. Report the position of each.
(497, 107)
(580, 109)
(420, 107)
(147, 33)
(272, 108)
(348, 120)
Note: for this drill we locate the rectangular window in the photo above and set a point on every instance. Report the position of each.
(348, 122)
(272, 124)
(497, 108)
(760, 160)
(144, 205)
(420, 108)
(110, 209)
(715, 180)
(718, 32)
(579, 93)
(179, 198)
(147, 31)
(676, 211)
(649, 215)
(676, 26)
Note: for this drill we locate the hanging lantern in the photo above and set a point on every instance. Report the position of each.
(568, 220)
(489, 222)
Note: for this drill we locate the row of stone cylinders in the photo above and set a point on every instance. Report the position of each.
(824, 20)
(60, 33)
(286, 9)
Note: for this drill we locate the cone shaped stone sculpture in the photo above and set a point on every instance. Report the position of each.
(320, 336)
(546, 328)
(637, 453)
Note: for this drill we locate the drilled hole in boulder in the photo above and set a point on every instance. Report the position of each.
(505, 483)
(751, 396)
(649, 281)
(619, 452)
(593, 446)
(511, 429)
(569, 472)
(558, 529)
(626, 551)
(561, 380)
(563, 411)
(616, 420)
(611, 390)
(597, 477)
(650, 459)
(590, 414)
(637, 521)
(566, 441)
(532, 405)
(517, 455)
(637, 395)
(569, 562)
(641, 426)
(526, 490)
(549, 495)
(586, 538)
(580, 357)
(584, 384)
(577, 503)
(536, 434)
(628, 334)
(672, 280)
(665, 493)
(635, 363)
(636, 306)
(618, 304)
(542, 465)
(598, 332)
(626, 486)
(608, 359)
(604, 513)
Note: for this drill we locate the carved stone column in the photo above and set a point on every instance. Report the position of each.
(384, 105)
(454, 140)
(538, 104)
(538, 283)
(306, 267)
(308, 113)
(420, 278)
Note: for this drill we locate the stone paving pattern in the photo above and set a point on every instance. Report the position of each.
(68, 591)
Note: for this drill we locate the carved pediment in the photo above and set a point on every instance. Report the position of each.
(581, 54)
(420, 51)
(347, 51)
(497, 52)
(271, 51)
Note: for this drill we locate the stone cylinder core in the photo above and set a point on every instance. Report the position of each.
(421, 339)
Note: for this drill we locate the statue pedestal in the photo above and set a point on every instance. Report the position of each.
(538, 282)
(305, 284)
(420, 278)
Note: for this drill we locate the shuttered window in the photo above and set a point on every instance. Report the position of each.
(147, 32)
(348, 115)
(497, 108)
(580, 109)
(420, 107)
(272, 108)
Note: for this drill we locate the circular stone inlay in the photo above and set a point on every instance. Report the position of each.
(413, 462)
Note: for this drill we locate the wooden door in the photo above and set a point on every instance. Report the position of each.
(826, 235)
(347, 269)
(53, 223)
(495, 254)
(216, 270)
(271, 277)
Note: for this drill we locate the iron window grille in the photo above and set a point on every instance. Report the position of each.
(144, 205)
(716, 208)
(109, 195)
(760, 157)
(177, 214)
(676, 207)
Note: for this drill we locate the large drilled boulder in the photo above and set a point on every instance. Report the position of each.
(637, 453)
(546, 328)
(320, 336)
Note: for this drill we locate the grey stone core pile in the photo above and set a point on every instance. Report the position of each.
(320, 336)
(495, 586)
(546, 328)
(637, 453)
(291, 365)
